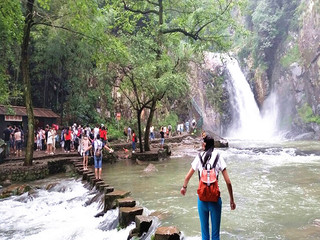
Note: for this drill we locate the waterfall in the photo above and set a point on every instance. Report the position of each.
(248, 122)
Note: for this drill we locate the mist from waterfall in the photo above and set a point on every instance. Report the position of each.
(248, 122)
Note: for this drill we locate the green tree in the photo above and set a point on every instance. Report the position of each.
(160, 32)
(80, 15)
(11, 23)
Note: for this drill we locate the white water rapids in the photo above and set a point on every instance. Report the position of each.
(60, 213)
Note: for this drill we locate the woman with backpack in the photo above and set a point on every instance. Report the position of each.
(211, 203)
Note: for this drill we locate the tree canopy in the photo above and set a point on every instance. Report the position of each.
(82, 52)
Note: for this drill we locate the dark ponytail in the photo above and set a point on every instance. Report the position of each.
(209, 148)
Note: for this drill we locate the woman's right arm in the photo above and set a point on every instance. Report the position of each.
(183, 190)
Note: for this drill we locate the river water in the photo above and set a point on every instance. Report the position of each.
(276, 188)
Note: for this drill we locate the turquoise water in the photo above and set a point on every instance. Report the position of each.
(276, 188)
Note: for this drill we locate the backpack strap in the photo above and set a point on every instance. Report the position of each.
(213, 166)
(200, 157)
(216, 160)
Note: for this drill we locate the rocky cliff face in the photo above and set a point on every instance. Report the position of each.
(294, 74)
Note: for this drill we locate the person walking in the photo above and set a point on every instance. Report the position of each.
(54, 138)
(18, 141)
(152, 133)
(49, 142)
(67, 139)
(39, 142)
(162, 138)
(43, 139)
(103, 134)
(210, 208)
(129, 132)
(6, 138)
(97, 146)
(134, 140)
(85, 142)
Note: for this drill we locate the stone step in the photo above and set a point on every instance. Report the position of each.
(80, 170)
(98, 183)
(143, 224)
(166, 233)
(127, 215)
(109, 200)
(103, 186)
(85, 174)
(126, 202)
(74, 161)
(108, 189)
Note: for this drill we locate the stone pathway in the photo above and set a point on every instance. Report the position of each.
(128, 211)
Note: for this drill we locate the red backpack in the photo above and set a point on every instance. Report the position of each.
(208, 190)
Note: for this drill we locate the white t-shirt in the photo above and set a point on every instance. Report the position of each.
(221, 164)
(97, 144)
(95, 132)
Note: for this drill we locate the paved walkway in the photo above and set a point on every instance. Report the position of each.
(41, 154)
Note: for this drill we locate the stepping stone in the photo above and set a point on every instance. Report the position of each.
(127, 215)
(108, 189)
(85, 174)
(97, 183)
(126, 202)
(80, 170)
(109, 199)
(143, 224)
(103, 186)
(166, 233)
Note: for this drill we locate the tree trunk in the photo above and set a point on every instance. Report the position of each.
(149, 123)
(139, 129)
(26, 81)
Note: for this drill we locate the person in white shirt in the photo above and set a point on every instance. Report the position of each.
(210, 208)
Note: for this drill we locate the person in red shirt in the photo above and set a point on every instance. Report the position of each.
(103, 134)
(67, 138)
(134, 140)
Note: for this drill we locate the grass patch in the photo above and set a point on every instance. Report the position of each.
(293, 55)
(307, 115)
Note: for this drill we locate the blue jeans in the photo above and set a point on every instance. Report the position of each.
(133, 146)
(97, 161)
(214, 208)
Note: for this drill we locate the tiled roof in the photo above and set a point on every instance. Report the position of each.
(21, 111)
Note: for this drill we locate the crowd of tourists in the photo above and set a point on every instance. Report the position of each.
(14, 139)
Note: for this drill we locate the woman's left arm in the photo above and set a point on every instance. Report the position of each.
(229, 186)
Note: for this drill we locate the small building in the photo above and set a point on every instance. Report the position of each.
(17, 116)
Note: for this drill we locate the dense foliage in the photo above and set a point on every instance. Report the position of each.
(269, 22)
(88, 60)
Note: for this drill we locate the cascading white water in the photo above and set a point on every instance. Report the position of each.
(248, 121)
(60, 213)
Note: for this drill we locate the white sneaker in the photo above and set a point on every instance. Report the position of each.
(133, 151)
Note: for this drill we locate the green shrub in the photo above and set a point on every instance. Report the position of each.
(293, 55)
(307, 116)
(171, 119)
